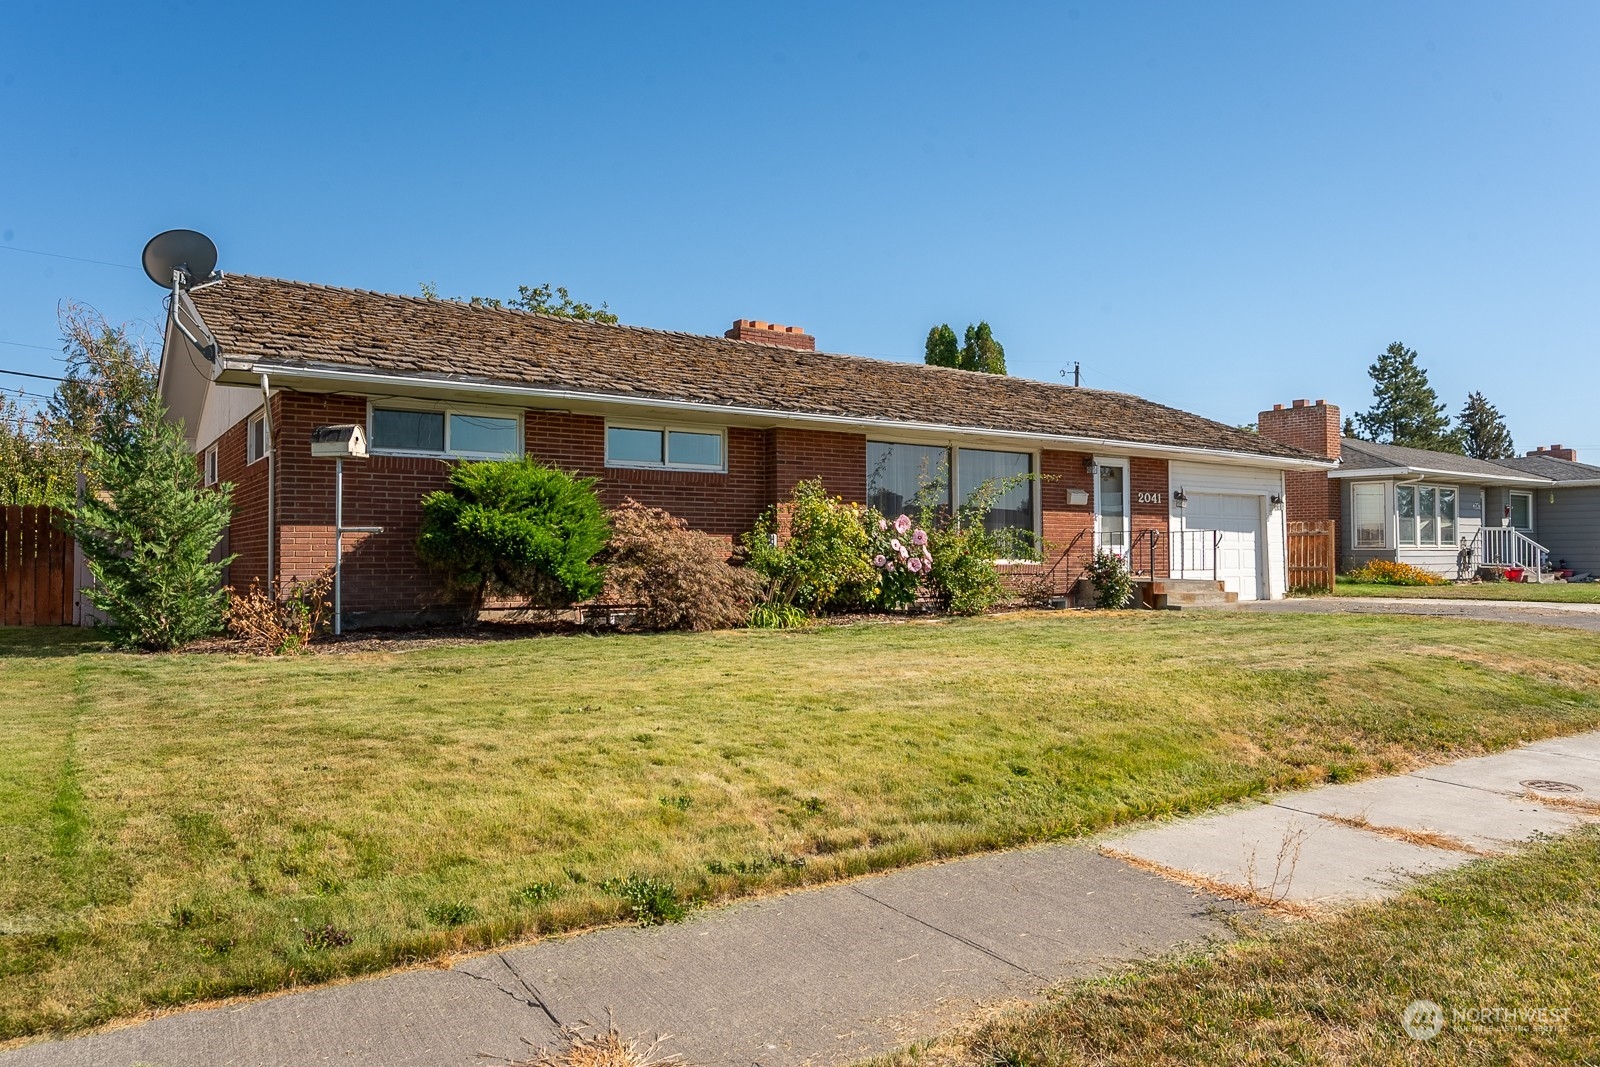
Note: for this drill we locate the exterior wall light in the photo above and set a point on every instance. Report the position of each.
(1180, 497)
(1277, 500)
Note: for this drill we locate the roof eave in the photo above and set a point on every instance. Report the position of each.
(1430, 472)
(286, 372)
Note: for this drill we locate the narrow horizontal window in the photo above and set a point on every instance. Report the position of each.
(484, 435)
(670, 447)
(407, 431)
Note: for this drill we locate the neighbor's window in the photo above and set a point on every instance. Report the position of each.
(211, 465)
(256, 438)
(1427, 515)
(455, 433)
(674, 447)
(1367, 503)
(903, 479)
(1522, 511)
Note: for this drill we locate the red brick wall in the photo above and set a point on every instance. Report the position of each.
(1309, 496)
(1149, 476)
(723, 504)
(247, 531)
(839, 459)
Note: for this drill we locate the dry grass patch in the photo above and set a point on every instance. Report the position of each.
(1426, 838)
(1498, 936)
(172, 826)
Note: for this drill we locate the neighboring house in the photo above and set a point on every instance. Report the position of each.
(713, 429)
(1417, 506)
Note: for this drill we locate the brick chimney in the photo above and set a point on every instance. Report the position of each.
(1310, 496)
(1556, 452)
(772, 333)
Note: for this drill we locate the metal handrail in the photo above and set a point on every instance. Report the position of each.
(1152, 535)
(1192, 550)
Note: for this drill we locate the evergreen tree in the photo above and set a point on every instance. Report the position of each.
(1483, 430)
(148, 534)
(1405, 411)
(980, 352)
(942, 348)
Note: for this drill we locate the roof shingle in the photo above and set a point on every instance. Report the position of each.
(297, 323)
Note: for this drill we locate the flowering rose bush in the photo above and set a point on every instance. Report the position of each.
(899, 553)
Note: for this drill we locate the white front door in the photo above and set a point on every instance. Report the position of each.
(1236, 537)
(1111, 513)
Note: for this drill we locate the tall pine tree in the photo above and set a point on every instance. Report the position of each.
(1405, 410)
(980, 352)
(1483, 430)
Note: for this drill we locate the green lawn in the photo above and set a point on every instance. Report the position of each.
(1558, 592)
(171, 826)
(1488, 940)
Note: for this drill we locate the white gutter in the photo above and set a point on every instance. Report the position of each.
(567, 396)
(1422, 473)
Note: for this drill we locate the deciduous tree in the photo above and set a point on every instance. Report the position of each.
(979, 351)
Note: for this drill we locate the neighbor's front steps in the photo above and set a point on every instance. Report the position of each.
(844, 971)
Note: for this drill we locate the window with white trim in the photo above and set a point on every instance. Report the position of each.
(1427, 515)
(255, 438)
(210, 467)
(901, 478)
(470, 433)
(1366, 501)
(661, 446)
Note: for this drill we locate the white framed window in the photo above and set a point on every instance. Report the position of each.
(255, 438)
(659, 446)
(1427, 515)
(210, 467)
(1366, 505)
(1522, 511)
(400, 428)
(899, 473)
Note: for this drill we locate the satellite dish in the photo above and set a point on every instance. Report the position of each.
(189, 251)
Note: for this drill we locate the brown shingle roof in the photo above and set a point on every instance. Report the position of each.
(308, 325)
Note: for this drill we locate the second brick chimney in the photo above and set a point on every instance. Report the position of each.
(772, 333)
(1556, 452)
(1310, 496)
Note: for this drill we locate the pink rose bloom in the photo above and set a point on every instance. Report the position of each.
(915, 565)
(883, 524)
(927, 557)
(894, 543)
(902, 524)
(919, 537)
(877, 561)
(889, 567)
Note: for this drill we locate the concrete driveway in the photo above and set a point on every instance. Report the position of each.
(1575, 616)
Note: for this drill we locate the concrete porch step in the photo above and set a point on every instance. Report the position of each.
(1175, 594)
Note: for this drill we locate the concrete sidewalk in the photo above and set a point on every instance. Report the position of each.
(834, 974)
(1542, 612)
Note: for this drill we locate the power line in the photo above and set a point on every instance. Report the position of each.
(75, 259)
(23, 344)
(30, 374)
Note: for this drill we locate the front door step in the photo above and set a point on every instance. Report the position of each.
(1175, 594)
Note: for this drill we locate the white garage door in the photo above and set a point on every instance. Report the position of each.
(1236, 539)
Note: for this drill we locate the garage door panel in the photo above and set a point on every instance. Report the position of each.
(1237, 519)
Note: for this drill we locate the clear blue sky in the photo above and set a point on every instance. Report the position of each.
(1214, 205)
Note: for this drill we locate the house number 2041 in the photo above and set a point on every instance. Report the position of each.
(1148, 498)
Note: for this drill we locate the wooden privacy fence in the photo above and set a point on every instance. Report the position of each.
(1313, 554)
(38, 580)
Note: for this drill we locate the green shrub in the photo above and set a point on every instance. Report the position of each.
(148, 533)
(778, 617)
(679, 578)
(516, 528)
(1113, 585)
(652, 902)
(965, 577)
(820, 562)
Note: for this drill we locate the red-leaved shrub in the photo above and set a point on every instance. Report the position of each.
(677, 578)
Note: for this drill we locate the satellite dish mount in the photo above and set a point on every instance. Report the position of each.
(180, 259)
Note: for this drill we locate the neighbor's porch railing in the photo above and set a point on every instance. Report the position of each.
(1507, 546)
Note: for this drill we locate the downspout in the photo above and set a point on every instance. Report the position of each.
(272, 464)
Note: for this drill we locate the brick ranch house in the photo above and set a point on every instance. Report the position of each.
(713, 429)
(1417, 506)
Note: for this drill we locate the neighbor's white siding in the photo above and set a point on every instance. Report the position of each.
(1245, 481)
